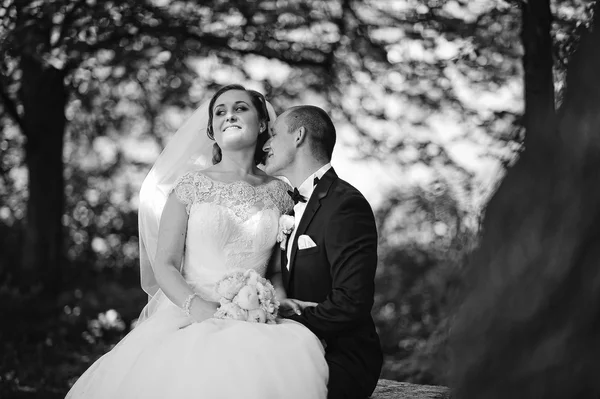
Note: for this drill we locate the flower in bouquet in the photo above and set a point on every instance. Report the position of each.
(247, 298)
(286, 226)
(257, 316)
(231, 311)
(266, 296)
(252, 277)
(230, 285)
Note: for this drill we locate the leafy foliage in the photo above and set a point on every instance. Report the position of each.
(429, 88)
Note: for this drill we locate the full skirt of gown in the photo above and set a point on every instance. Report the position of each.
(167, 357)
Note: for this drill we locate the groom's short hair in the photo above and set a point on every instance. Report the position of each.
(319, 127)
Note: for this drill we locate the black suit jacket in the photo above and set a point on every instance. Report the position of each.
(339, 275)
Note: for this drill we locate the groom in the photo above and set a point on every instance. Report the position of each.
(331, 254)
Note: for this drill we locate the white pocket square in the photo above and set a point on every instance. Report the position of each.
(305, 242)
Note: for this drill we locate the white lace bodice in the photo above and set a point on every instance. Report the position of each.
(230, 226)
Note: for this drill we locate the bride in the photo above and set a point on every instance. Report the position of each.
(197, 223)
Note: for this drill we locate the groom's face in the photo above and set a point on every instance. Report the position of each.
(280, 148)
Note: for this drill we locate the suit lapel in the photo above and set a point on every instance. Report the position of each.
(320, 192)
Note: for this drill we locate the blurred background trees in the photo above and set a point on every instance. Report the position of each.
(530, 309)
(427, 96)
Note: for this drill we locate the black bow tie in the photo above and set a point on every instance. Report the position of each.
(296, 196)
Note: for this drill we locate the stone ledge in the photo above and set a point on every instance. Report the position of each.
(388, 389)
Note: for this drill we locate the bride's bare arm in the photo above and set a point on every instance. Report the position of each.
(171, 243)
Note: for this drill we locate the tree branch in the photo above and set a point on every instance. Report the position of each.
(212, 41)
(68, 19)
(363, 32)
(537, 65)
(11, 109)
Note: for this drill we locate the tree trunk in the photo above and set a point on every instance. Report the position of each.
(43, 96)
(537, 65)
(529, 323)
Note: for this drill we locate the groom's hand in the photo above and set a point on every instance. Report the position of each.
(289, 307)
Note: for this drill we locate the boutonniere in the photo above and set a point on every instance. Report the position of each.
(286, 226)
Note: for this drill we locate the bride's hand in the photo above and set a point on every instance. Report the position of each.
(289, 307)
(201, 310)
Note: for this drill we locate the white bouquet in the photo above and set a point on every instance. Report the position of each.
(246, 296)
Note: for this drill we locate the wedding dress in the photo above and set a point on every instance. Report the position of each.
(231, 226)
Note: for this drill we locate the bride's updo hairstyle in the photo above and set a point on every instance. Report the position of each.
(260, 105)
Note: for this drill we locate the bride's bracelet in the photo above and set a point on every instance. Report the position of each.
(188, 303)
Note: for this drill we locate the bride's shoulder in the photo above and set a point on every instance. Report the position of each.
(192, 186)
(268, 180)
(191, 181)
(279, 193)
(278, 182)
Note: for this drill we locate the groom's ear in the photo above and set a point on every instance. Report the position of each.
(299, 136)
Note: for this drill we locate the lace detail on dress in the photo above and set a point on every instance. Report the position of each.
(231, 226)
(242, 199)
(281, 198)
(190, 189)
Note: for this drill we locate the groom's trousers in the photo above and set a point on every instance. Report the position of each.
(342, 385)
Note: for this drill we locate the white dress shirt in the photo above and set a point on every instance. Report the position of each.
(306, 189)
